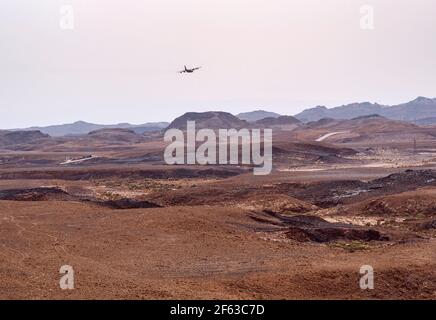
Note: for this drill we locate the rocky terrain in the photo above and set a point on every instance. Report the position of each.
(342, 194)
(209, 120)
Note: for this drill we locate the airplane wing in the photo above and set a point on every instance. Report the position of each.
(189, 70)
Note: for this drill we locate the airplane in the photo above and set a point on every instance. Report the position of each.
(187, 70)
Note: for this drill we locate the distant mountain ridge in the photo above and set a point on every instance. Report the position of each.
(282, 120)
(426, 121)
(257, 115)
(420, 108)
(82, 128)
(422, 111)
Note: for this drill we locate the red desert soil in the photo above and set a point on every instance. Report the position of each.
(189, 253)
(221, 232)
(421, 202)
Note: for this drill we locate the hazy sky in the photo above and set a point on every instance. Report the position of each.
(120, 62)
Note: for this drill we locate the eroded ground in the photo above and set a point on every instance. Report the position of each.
(220, 237)
(134, 228)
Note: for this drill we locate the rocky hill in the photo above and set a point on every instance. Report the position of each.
(115, 136)
(209, 120)
(10, 138)
(280, 121)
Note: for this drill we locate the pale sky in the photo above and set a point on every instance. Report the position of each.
(120, 62)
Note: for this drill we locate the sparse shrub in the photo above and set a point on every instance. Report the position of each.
(352, 246)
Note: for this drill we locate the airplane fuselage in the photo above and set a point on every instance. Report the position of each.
(186, 70)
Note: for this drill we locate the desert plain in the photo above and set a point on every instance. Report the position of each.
(342, 194)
